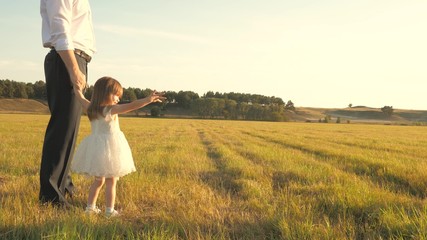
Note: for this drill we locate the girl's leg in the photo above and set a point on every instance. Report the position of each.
(110, 193)
(94, 191)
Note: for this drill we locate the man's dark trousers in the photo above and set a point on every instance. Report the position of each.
(61, 132)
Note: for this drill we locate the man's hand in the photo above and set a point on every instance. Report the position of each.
(78, 79)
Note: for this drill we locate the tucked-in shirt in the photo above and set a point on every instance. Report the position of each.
(67, 25)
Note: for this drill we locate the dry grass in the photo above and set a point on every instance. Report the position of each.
(201, 179)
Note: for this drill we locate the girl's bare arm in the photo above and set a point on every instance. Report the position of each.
(83, 101)
(137, 104)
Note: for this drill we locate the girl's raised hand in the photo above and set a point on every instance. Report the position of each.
(157, 96)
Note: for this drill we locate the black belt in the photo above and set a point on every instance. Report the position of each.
(84, 55)
(80, 53)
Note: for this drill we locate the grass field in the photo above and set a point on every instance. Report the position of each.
(203, 179)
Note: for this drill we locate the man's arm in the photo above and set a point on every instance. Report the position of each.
(77, 77)
(57, 19)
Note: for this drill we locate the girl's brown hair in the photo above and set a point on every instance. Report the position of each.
(101, 96)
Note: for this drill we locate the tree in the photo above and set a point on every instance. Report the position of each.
(279, 101)
(129, 95)
(211, 105)
(184, 98)
(20, 90)
(327, 119)
(387, 110)
(219, 95)
(29, 88)
(256, 112)
(2, 88)
(138, 93)
(200, 107)
(142, 93)
(171, 96)
(242, 109)
(40, 90)
(155, 111)
(278, 117)
(9, 89)
(209, 94)
(290, 106)
(276, 113)
(230, 109)
(219, 107)
(350, 105)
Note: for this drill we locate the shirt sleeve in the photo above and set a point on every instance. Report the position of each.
(60, 17)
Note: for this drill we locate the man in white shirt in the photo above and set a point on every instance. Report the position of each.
(68, 32)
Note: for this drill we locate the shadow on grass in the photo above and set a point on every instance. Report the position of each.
(137, 228)
(281, 180)
(188, 229)
(222, 180)
(73, 229)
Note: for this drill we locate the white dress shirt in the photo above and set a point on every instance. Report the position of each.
(67, 25)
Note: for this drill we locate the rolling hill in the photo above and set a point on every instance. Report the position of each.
(23, 106)
(361, 114)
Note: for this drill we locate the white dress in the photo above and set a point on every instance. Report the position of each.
(105, 152)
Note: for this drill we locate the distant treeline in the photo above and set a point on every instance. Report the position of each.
(210, 105)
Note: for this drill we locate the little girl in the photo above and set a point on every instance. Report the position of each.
(105, 153)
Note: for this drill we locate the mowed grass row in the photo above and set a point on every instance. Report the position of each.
(384, 161)
(340, 194)
(204, 179)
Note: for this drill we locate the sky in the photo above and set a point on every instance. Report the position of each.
(323, 53)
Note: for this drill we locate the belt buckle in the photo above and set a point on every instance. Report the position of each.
(84, 55)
